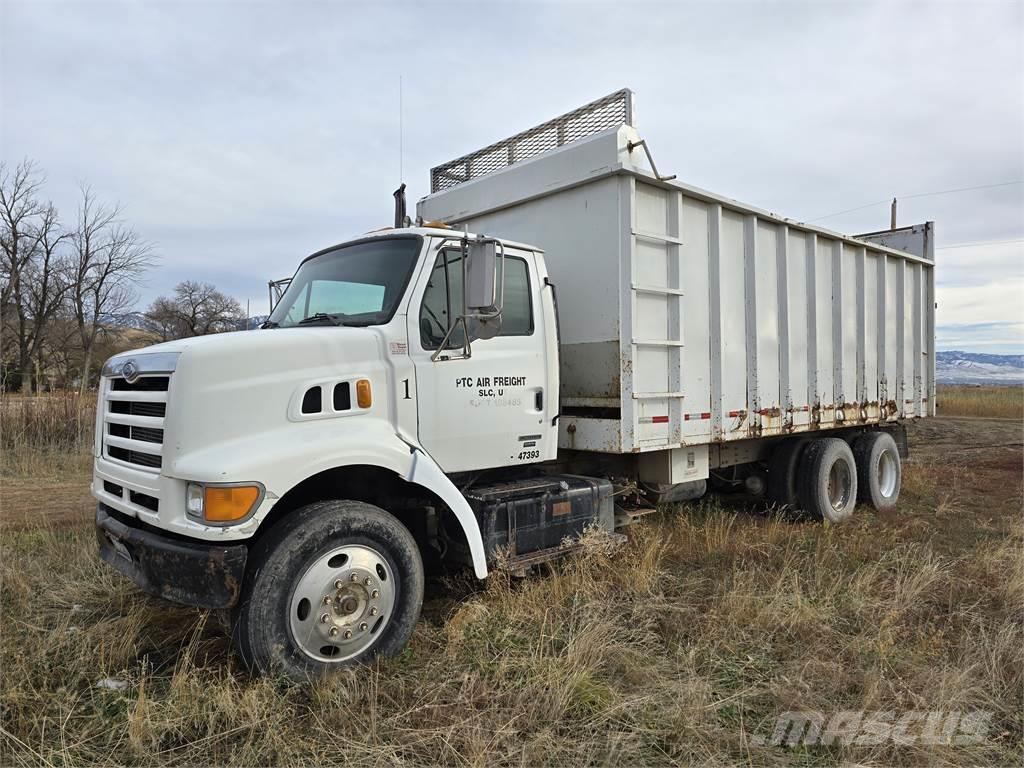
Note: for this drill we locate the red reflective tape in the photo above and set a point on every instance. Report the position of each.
(735, 414)
(659, 420)
(696, 416)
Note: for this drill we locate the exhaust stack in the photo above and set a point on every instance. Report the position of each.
(401, 220)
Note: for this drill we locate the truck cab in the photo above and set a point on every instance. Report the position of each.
(371, 381)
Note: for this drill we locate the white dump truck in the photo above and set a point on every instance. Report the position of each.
(565, 339)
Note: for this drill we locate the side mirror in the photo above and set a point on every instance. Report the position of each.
(480, 276)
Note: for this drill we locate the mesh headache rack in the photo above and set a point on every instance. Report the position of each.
(610, 111)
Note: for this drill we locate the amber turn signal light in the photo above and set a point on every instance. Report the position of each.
(227, 504)
(364, 396)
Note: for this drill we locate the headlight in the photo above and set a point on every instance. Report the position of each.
(222, 504)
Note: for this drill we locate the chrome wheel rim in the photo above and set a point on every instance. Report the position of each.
(887, 474)
(341, 603)
(839, 481)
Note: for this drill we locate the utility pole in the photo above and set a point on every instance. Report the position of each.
(892, 215)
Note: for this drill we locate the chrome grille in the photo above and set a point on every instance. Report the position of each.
(133, 420)
(611, 111)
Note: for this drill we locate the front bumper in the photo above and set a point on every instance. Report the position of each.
(193, 573)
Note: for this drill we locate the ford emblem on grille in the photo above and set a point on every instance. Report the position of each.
(130, 371)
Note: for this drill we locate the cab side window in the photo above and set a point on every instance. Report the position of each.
(442, 300)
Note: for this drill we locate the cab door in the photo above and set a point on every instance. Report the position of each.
(492, 408)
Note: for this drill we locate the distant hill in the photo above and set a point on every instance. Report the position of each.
(958, 367)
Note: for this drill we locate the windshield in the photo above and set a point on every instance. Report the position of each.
(357, 284)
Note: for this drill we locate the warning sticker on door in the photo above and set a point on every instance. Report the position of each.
(399, 348)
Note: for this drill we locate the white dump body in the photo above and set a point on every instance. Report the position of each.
(687, 318)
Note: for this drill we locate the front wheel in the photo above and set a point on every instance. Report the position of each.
(333, 584)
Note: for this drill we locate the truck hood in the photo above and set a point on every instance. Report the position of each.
(270, 341)
(232, 389)
(246, 352)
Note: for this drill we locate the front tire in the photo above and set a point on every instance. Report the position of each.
(334, 584)
(827, 486)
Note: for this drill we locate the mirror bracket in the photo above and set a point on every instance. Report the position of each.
(467, 350)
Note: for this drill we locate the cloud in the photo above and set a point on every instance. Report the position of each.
(980, 295)
(996, 338)
(241, 136)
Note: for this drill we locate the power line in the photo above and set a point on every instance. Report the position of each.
(849, 210)
(980, 242)
(961, 189)
(919, 194)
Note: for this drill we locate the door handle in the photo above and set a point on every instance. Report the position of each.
(538, 400)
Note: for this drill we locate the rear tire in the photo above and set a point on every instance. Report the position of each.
(827, 483)
(879, 470)
(783, 472)
(333, 584)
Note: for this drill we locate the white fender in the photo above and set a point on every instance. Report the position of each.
(424, 471)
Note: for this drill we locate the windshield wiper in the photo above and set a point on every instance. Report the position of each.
(269, 324)
(320, 318)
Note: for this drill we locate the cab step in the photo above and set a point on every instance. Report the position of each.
(627, 514)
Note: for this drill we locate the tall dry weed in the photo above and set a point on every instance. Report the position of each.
(45, 434)
(1004, 402)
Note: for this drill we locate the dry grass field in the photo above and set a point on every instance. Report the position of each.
(990, 402)
(679, 648)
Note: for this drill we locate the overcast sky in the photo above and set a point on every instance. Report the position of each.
(240, 136)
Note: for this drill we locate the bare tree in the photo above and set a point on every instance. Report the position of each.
(195, 309)
(107, 258)
(46, 284)
(164, 319)
(34, 280)
(19, 205)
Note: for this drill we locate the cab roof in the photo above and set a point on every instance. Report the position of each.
(399, 232)
(439, 232)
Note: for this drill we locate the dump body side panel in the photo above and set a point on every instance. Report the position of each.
(693, 319)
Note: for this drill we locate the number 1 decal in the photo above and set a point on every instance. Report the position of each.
(406, 383)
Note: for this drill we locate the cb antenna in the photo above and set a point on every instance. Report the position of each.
(401, 169)
(401, 219)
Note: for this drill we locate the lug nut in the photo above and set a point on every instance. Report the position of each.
(327, 599)
(355, 577)
(363, 627)
(375, 594)
(367, 581)
(324, 618)
(348, 634)
(339, 584)
(333, 631)
(373, 611)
